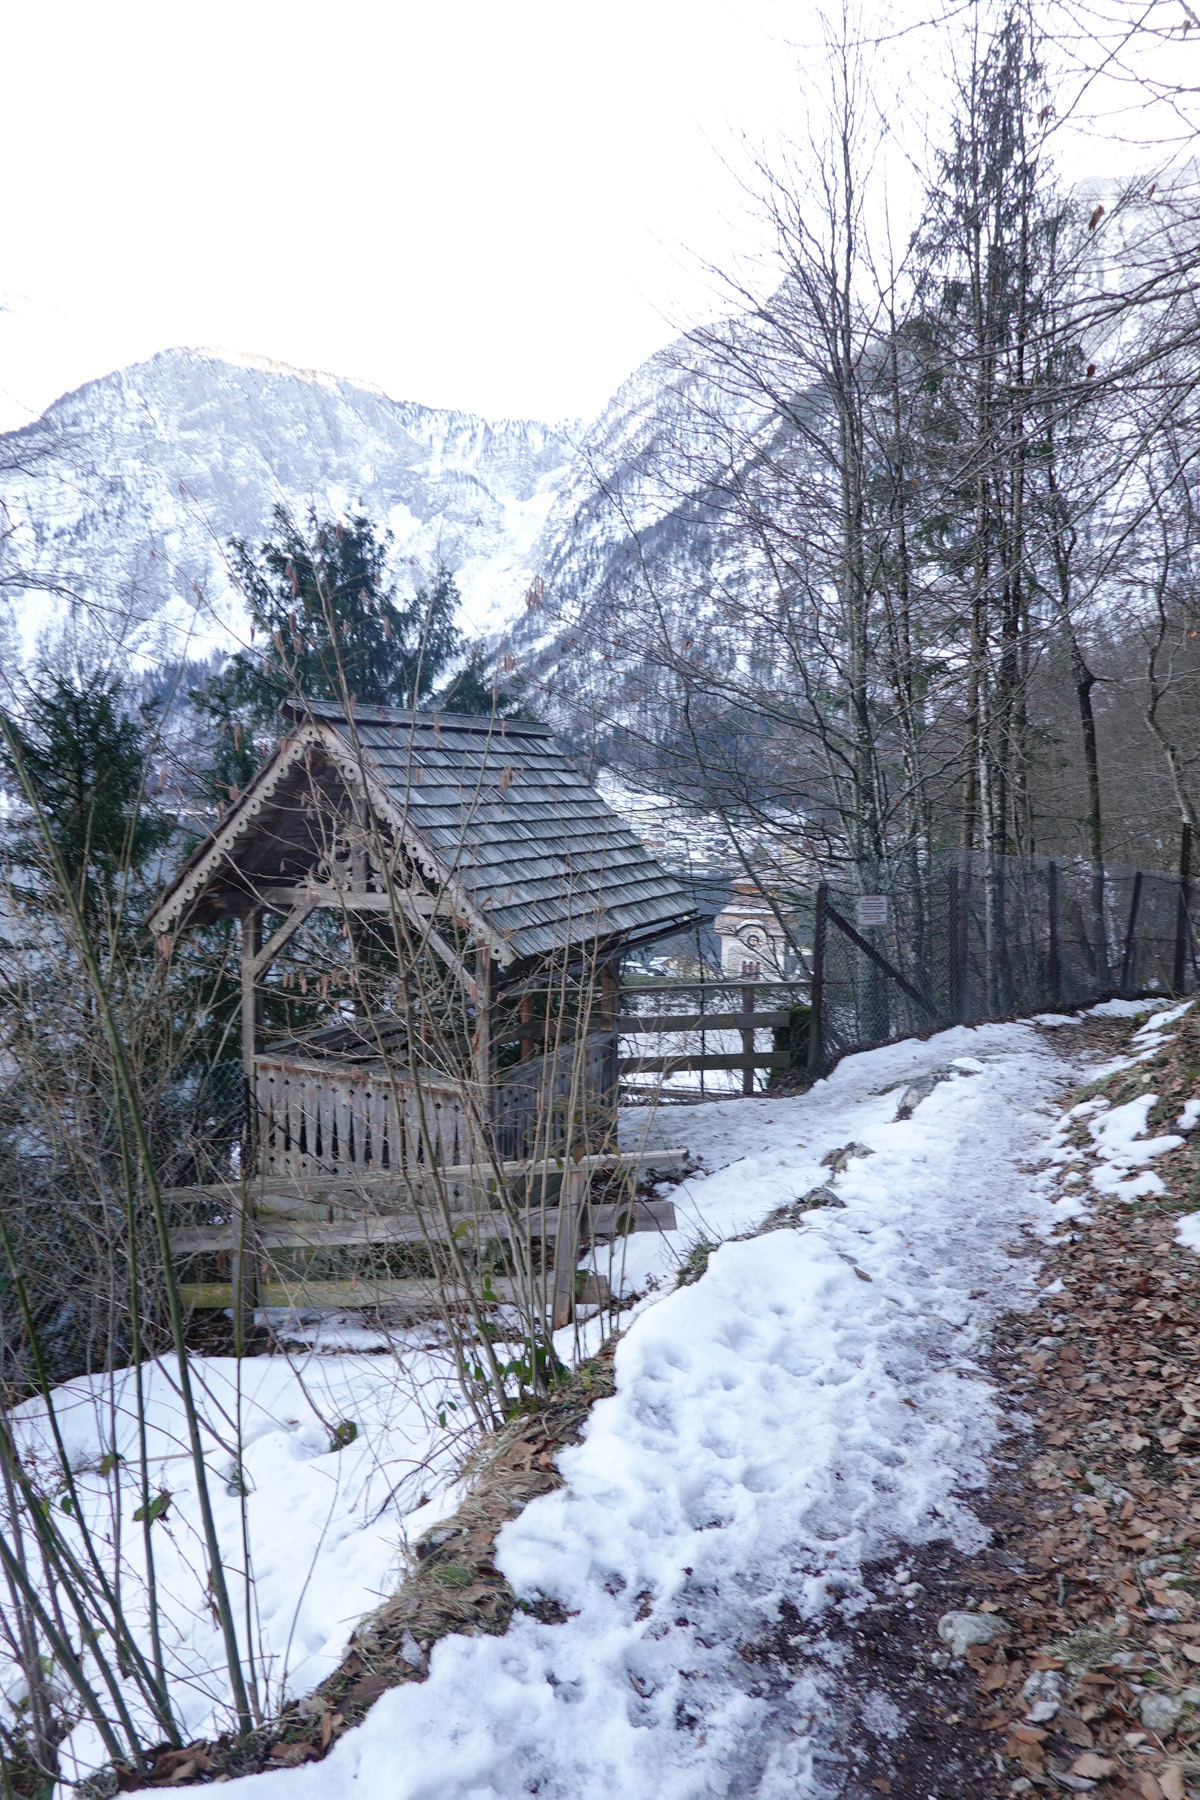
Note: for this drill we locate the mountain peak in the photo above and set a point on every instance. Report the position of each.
(128, 489)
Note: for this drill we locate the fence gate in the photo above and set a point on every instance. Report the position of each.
(711, 1027)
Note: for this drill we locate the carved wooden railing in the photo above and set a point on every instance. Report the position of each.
(325, 1118)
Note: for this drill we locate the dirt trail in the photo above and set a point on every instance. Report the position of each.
(1094, 1563)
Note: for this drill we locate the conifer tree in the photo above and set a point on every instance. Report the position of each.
(327, 623)
(87, 761)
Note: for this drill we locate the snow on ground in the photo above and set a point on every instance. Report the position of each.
(324, 1525)
(809, 1407)
(784, 1427)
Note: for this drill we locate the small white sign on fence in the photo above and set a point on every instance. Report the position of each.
(871, 909)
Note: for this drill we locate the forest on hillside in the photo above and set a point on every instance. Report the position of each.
(903, 556)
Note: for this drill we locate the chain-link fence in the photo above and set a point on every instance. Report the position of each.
(197, 1125)
(959, 937)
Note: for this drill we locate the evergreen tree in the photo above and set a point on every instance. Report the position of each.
(479, 688)
(86, 760)
(326, 622)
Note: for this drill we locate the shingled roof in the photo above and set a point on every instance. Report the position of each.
(494, 807)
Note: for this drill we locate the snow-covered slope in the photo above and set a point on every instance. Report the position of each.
(129, 489)
(784, 1433)
(631, 503)
(654, 555)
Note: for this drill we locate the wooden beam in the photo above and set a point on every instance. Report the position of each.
(732, 987)
(324, 1189)
(600, 1221)
(325, 894)
(566, 1249)
(209, 1295)
(421, 1296)
(244, 1270)
(610, 999)
(671, 1065)
(645, 1024)
(251, 950)
(270, 950)
(748, 1042)
(485, 1028)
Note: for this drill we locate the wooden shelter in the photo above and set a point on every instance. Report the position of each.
(510, 888)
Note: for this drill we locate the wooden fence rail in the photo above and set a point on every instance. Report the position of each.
(548, 1200)
(747, 1021)
(373, 1231)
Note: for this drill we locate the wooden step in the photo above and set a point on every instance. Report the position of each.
(376, 1232)
(419, 1298)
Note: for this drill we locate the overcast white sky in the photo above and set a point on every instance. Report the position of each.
(496, 207)
(500, 208)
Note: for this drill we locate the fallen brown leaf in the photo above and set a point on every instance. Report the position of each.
(1171, 1781)
(1075, 1731)
(1093, 1767)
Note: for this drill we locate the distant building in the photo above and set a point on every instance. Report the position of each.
(753, 942)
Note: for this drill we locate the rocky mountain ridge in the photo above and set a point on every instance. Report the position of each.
(127, 491)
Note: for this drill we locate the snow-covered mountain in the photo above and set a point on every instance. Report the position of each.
(646, 557)
(128, 490)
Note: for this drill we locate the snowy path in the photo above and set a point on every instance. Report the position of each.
(809, 1407)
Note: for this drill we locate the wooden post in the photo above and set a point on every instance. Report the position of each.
(748, 1041)
(1131, 935)
(485, 1031)
(526, 1027)
(571, 1202)
(1182, 922)
(610, 995)
(1055, 949)
(245, 1261)
(816, 1049)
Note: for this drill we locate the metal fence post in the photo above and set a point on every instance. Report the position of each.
(816, 995)
(1181, 913)
(1131, 936)
(953, 928)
